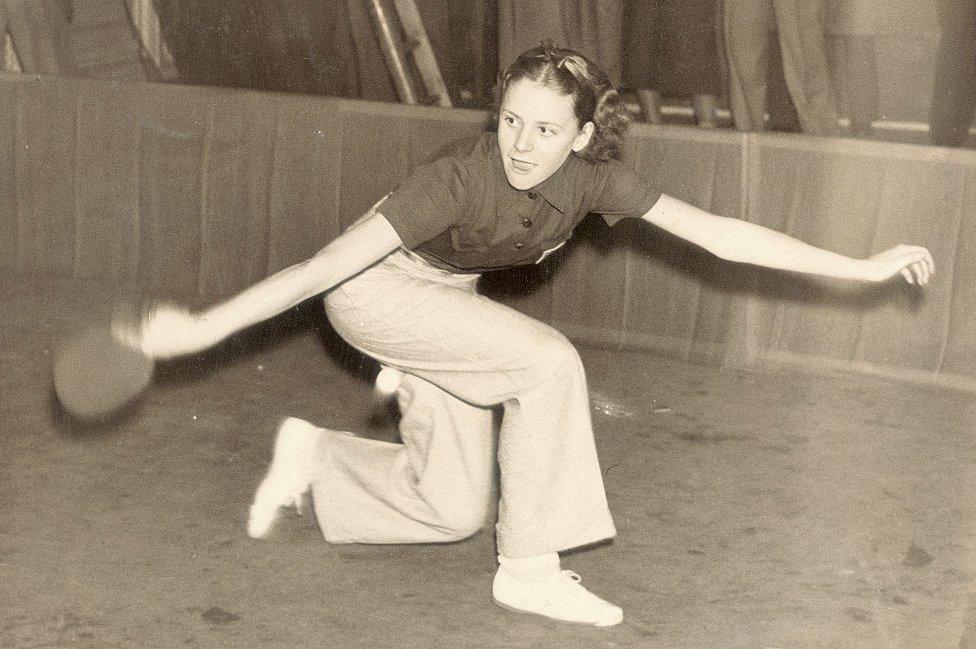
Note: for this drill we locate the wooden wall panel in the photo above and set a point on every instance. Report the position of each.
(173, 127)
(431, 130)
(9, 240)
(193, 193)
(306, 176)
(366, 176)
(106, 184)
(801, 195)
(675, 300)
(958, 356)
(859, 201)
(236, 185)
(908, 330)
(589, 286)
(45, 167)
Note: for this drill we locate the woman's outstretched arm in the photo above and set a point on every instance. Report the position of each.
(167, 331)
(740, 241)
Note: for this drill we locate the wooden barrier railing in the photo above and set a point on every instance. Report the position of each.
(194, 193)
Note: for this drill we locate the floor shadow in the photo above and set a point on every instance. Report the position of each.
(73, 427)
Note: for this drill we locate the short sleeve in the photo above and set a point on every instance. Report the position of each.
(429, 202)
(620, 193)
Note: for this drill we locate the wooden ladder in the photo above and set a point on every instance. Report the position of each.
(404, 35)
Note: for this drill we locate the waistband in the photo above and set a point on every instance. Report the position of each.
(417, 266)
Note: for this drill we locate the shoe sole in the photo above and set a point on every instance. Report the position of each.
(509, 607)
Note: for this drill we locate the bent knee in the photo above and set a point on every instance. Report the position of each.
(460, 523)
(462, 532)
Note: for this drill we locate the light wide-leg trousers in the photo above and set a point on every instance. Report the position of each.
(463, 355)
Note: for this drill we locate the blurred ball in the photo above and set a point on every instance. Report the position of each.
(387, 381)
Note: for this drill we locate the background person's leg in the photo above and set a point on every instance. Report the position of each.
(954, 87)
(800, 25)
(746, 28)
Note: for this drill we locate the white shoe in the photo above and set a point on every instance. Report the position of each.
(558, 596)
(288, 477)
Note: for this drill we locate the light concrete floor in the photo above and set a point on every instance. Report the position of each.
(755, 509)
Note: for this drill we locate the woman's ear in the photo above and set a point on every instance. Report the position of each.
(583, 137)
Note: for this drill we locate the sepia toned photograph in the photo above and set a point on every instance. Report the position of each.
(488, 324)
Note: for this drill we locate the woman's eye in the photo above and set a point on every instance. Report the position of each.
(508, 119)
(545, 130)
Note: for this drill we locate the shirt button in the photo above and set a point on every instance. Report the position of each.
(527, 223)
(519, 246)
(532, 195)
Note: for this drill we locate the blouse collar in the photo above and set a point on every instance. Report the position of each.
(556, 189)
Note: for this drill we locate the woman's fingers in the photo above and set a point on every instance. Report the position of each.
(917, 265)
(921, 273)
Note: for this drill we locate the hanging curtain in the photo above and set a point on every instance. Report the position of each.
(300, 46)
(593, 27)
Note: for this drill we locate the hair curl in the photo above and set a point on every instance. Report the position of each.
(594, 97)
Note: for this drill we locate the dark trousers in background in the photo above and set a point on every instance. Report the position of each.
(954, 90)
(749, 30)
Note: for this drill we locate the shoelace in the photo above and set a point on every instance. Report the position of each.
(572, 575)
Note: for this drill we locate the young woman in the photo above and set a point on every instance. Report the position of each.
(401, 288)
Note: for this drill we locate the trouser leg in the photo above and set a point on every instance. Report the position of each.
(954, 88)
(434, 487)
(800, 26)
(746, 40)
(552, 495)
(480, 354)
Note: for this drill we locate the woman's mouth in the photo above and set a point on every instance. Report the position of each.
(521, 166)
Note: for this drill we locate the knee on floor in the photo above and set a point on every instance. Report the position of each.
(462, 522)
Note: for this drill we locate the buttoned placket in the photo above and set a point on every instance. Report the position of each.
(528, 222)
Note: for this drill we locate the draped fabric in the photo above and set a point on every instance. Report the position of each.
(323, 48)
(593, 27)
(301, 46)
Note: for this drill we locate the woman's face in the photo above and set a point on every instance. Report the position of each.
(537, 131)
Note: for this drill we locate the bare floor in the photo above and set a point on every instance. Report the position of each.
(780, 509)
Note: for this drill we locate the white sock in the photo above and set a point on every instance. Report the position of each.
(532, 568)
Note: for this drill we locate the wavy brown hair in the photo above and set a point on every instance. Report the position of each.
(594, 97)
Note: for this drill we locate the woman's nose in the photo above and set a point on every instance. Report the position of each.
(524, 140)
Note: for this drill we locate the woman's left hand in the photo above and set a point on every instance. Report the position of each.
(913, 262)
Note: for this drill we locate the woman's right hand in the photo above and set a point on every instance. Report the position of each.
(168, 331)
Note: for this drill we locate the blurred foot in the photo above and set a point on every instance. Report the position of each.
(288, 477)
(557, 595)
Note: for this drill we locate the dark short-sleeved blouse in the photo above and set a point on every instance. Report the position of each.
(461, 214)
